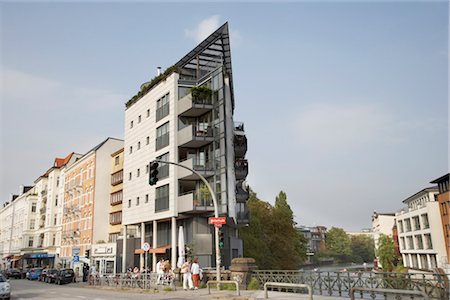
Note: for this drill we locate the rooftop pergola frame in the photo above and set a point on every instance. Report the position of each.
(211, 53)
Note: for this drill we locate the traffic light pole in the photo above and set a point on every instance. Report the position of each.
(216, 211)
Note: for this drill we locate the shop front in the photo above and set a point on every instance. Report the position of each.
(104, 258)
(38, 260)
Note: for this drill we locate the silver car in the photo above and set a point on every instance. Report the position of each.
(5, 288)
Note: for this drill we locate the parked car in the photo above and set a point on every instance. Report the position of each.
(5, 288)
(13, 273)
(44, 274)
(50, 276)
(65, 276)
(34, 273)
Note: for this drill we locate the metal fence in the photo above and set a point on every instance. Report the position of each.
(134, 281)
(435, 286)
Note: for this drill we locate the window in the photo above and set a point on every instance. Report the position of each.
(162, 198)
(408, 224)
(444, 209)
(400, 226)
(33, 207)
(138, 172)
(425, 222)
(146, 169)
(419, 241)
(131, 124)
(117, 178)
(30, 241)
(129, 203)
(139, 119)
(162, 136)
(32, 221)
(416, 223)
(162, 107)
(146, 198)
(139, 145)
(148, 140)
(137, 201)
(116, 162)
(57, 181)
(402, 243)
(56, 200)
(163, 170)
(116, 198)
(131, 149)
(113, 238)
(148, 113)
(410, 243)
(130, 176)
(115, 218)
(428, 242)
(55, 219)
(54, 239)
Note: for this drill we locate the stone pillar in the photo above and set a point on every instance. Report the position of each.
(174, 243)
(154, 244)
(241, 270)
(124, 250)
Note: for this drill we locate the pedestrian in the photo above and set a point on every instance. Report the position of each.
(196, 271)
(187, 276)
(160, 270)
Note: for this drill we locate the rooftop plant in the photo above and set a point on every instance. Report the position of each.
(148, 86)
(201, 93)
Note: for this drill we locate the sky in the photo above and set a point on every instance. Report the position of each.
(345, 104)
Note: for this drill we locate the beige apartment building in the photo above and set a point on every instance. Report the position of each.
(115, 210)
(86, 203)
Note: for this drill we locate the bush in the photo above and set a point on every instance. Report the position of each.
(228, 286)
(253, 284)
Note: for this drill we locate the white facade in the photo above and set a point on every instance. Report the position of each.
(420, 234)
(382, 224)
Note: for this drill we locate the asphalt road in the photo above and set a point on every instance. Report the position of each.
(29, 290)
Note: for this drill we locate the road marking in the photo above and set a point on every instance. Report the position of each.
(82, 297)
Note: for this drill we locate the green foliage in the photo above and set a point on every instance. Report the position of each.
(271, 237)
(363, 248)
(228, 286)
(148, 86)
(253, 284)
(338, 244)
(201, 93)
(167, 289)
(386, 253)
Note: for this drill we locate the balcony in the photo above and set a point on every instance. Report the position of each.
(205, 168)
(242, 194)
(194, 136)
(194, 107)
(194, 203)
(240, 145)
(241, 169)
(43, 209)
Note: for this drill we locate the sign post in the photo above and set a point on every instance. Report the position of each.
(146, 248)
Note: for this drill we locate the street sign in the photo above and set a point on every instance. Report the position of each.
(75, 251)
(218, 221)
(76, 258)
(146, 246)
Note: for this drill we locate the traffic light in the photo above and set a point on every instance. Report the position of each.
(221, 239)
(153, 173)
(86, 253)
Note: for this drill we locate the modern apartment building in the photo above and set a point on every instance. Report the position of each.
(87, 187)
(185, 115)
(420, 231)
(443, 199)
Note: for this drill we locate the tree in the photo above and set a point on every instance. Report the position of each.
(339, 245)
(271, 237)
(386, 253)
(362, 248)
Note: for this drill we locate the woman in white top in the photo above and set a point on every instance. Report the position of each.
(195, 270)
(187, 277)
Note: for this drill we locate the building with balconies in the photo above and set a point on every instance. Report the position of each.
(185, 115)
(86, 202)
(420, 231)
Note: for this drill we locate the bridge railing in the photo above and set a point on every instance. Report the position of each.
(435, 286)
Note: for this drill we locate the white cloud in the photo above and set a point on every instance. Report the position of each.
(332, 127)
(204, 28)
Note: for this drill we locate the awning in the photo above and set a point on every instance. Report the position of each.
(139, 251)
(16, 258)
(7, 256)
(160, 250)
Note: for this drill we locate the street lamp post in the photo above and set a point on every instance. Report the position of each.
(216, 211)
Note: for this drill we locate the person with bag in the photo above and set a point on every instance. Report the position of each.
(187, 276)
(195, 270)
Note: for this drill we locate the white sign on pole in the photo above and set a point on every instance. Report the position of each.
(145, 246)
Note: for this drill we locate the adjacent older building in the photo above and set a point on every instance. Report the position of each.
(185, 115)
(382, 223)
(86, 203)
(420, 231)
(443, 199)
